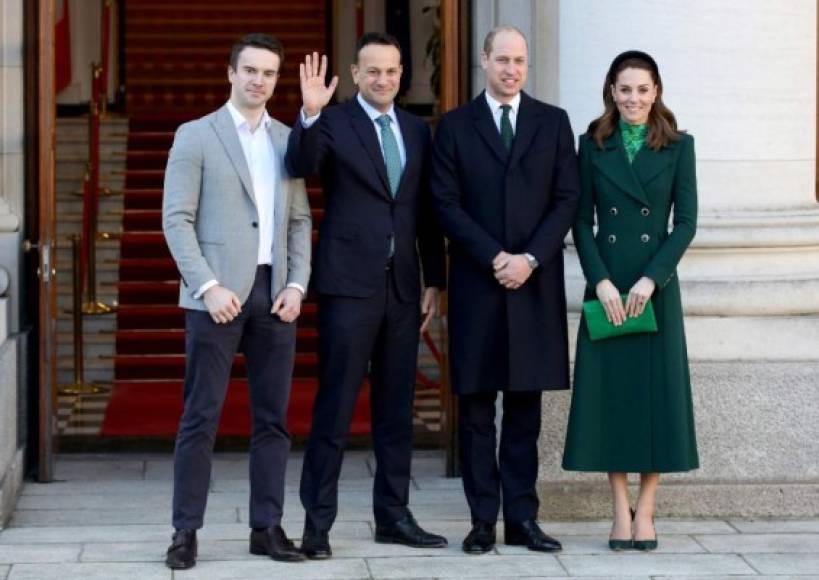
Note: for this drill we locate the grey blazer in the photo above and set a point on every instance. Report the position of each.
(209, 213)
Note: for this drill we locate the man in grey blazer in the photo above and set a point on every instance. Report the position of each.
(238, 227)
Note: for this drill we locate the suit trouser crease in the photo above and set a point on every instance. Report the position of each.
(269, 348)
(509, 470)
(380, 333)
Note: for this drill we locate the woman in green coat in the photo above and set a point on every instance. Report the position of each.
(631, 407)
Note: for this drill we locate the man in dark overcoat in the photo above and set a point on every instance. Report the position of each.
(505, 187)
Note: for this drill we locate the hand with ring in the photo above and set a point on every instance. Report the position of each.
(638, 296)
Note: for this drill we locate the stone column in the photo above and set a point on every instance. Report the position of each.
(12, 196)
(747, 92)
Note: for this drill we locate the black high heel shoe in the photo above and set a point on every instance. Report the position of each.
(618, 545)
(646, 545)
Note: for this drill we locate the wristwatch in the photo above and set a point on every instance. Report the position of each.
(533, 263)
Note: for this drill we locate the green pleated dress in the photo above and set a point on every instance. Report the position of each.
(631, 405)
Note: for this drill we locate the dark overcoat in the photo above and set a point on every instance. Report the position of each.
(488, 200)
(631, 406)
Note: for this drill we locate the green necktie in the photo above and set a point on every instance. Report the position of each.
(507, 135)
(392, 158)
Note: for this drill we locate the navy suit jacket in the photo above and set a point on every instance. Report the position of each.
(361, 216)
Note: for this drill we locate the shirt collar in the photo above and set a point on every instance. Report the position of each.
(239, 119)
(635, 131)
(374, 113)
(494, 104)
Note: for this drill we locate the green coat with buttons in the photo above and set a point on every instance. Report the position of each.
(631, 407)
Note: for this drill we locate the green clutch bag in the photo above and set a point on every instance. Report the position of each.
(600, 328)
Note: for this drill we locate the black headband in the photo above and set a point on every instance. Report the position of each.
(633, 54)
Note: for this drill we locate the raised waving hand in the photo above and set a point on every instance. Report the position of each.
(314, 93)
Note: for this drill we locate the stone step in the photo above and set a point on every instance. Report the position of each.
(91, 351)
(78, 150)
(92, 324)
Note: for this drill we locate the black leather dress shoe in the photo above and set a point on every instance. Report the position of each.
(407, 532)
(480, 539)
(273, 542)
(529, 534)
(315, 544)
(182, 551)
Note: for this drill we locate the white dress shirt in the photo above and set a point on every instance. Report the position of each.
(373, 114)
(261, 162)
(497, 112)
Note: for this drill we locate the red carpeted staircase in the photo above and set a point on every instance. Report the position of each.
(175, 69)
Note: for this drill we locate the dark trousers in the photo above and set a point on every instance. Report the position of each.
(514, 472)
(379, 333)
(269, 348)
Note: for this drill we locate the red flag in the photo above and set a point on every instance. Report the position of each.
(62, 37)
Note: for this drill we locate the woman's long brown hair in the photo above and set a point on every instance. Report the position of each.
(662, 125)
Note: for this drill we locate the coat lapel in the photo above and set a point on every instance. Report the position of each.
(613, 163)
(525, 128)
(649, 163)
(363, 126)
(485, 125)
(226, 131)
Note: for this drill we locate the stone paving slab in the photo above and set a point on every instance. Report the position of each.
(761, 543)
(291, 485)
(734, 577)
(655, 564)
(485, 566)
(209, 550)
(95, 470)
(346, 568)
(436, 484)
(84, 517)
(127, 487)
(39, 553)
(88, 572)
(68, 534)
(776, 526)
(785, 563)
(598, 544)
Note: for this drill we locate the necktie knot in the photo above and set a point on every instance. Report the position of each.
(383, 121)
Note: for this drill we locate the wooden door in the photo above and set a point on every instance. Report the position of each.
(40, 225)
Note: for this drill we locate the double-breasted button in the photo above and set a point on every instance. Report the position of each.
(613, 211)
(645, 211)
(612, 238)
(255, 224)
(644, 238)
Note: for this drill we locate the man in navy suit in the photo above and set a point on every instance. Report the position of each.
(374, 160)
(506, 185)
